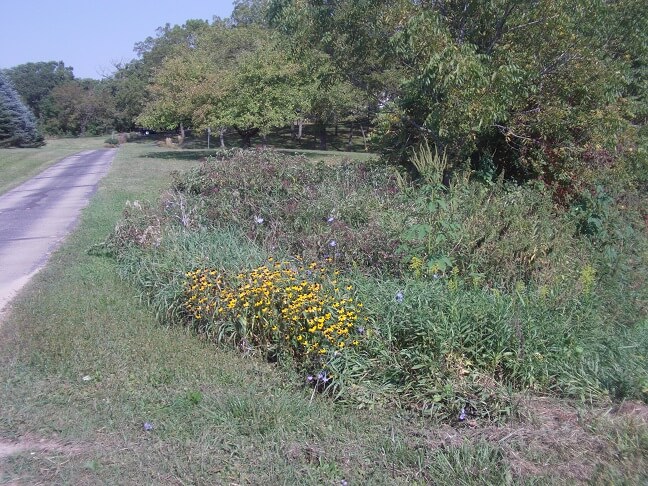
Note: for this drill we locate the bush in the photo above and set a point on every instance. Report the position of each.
(112, 141)
(294, 207)
(494, 289)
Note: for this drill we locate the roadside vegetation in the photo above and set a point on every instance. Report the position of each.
(86, 365)
(19, 164)
(457, 293)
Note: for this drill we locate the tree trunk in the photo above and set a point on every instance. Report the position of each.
(323, 137)
(246, 136)
(350, 142)
(364, 137)
(221, 132)
(182, 133)
(300, 128)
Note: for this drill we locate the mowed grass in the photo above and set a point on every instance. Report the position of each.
(19, 164)
(84, 364)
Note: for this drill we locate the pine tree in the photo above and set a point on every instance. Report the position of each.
(17, 123)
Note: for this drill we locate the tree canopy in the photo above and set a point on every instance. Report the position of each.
(530, 89)
(17, 123)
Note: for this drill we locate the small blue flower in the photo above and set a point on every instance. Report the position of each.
(462, 415)
(332, 243)
(330, 219)
(344, 482)
(361, 330)
(321, 376)
(148, 426)
(310, 378)
(399, 296)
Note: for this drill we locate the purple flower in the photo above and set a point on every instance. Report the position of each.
(344, 482)
(462, 415)
(148, 426)
(258, 220)
(332, 243)
(330, 219)
(310, 378)
(321, 376)
(361, 330)
(399, 296)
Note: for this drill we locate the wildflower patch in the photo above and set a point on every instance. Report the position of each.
(283, 308)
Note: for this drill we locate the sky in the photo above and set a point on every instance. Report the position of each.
(90, 35)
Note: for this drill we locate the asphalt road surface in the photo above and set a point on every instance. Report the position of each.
(36, 216)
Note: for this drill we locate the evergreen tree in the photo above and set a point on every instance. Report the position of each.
(17, 123)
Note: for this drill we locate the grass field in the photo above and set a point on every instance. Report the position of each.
(84, 364)
(19, 164)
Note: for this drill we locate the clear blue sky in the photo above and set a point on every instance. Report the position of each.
(90, 35)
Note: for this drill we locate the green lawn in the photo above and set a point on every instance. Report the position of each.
(19, 164)
(84, 364)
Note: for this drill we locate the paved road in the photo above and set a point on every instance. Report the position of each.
(37, 215)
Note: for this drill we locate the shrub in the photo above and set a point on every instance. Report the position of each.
(495, 290)
(290, 205)
(112, 141)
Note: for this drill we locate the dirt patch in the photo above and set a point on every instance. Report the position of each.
(10, 448)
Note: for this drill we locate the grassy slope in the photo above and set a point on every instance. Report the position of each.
(220, 417)
(18, 165)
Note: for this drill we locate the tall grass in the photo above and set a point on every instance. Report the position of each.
(84, 364)
(471, 291)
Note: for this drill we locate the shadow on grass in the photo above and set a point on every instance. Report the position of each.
(312, 155)
(180, 154)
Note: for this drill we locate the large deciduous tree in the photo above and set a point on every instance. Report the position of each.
(537, 89)
(17, 123)
(232, 77)
(34, 81)
(81, 107)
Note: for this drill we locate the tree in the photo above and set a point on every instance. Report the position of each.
(17, 123)
(128, 87)
(528, 87)
(34, 81)
(231, 77)
(173, 101)
(249, 12)
(153, 51)
(80, 107)
(263, 92)
(537, 89)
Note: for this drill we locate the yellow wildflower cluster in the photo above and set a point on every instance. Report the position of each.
(303, 308)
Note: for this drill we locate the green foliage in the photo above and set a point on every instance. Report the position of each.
(495, 290)
(535, 90)
(313, 211)
(231, 77)
(35, 81)
(128, 87)
(449, 344)
(17, 123)
(80, 108)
